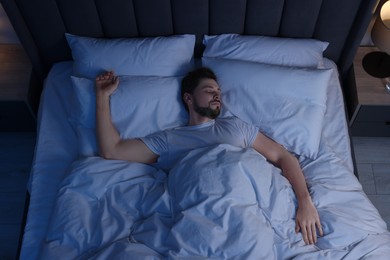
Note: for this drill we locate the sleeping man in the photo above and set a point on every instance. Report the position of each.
(201, 95)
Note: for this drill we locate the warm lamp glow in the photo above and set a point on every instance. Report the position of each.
(377, 64)
(380, 33)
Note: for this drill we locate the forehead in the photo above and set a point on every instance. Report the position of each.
(208, 84)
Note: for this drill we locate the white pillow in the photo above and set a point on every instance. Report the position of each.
(158, 56)
(286, 103)
(264, 49)
(140, 106)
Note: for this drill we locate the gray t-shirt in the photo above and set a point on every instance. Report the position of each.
(172, 145)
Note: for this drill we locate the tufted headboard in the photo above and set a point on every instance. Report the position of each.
(41, 24)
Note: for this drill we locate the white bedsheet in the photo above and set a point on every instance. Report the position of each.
(143, 229)
(55, 150)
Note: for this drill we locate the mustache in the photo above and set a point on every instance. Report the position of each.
(216, 100)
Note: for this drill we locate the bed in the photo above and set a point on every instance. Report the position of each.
(285, 72)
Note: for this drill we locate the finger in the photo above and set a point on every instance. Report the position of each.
(112, 74)
(319, 227)
(309, 235)
(98, 77)
(304, 235)
(297, 227)
(105, 75)
(116, 79)
(314, 233)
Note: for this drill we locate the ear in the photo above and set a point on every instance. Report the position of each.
(187, 97)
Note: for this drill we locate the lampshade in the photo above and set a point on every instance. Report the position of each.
(380, 33)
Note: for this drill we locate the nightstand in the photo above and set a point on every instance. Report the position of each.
(15, 70)
(371, 107)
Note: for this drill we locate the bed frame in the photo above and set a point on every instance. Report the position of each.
(41, 24)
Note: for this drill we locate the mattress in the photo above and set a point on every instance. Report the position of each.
(57, 148)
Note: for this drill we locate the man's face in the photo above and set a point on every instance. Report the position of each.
(207, 98)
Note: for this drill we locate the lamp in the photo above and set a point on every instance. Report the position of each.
(377, 64)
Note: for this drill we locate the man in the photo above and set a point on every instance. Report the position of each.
(202, 97)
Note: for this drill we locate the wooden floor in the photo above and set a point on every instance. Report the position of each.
(16, 153)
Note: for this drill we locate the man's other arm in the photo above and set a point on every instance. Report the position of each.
(307, 218)
(111, 146)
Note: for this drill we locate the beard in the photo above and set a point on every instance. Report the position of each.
(206, 111)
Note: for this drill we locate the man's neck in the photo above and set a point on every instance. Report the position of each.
(196, 119)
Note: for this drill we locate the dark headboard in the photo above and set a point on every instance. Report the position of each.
(41, 24)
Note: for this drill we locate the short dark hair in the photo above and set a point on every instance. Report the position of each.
(192, 80)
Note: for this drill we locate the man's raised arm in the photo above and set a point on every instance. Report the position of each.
(111, 146)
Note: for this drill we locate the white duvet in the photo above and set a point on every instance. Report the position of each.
(219, 202)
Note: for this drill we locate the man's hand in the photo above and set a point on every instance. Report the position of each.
(106, 83)
(308, 222)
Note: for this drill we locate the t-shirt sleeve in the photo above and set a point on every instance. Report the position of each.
(248, 131)
(156, 142)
